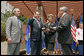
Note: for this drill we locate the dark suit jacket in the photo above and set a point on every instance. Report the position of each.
(50, 36)
(64, 30)
(36, 33)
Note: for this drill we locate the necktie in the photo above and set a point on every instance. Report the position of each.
(38, 23)
(19, 23)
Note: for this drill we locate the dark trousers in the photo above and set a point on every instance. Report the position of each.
(66, 49)
(80, 48)
(35, 47)
(49, 46)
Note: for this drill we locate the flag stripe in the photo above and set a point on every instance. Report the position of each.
(73, 31)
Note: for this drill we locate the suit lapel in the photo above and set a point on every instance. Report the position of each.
(37, 23)
(17, 22)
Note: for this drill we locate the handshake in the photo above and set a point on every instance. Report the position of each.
(48, 29)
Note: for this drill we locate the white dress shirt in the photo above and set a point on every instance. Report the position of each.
(19, 22)
(79, 34)
(63, 14)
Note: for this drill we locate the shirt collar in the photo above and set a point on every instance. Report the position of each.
(64, 14)
(15, 16)
(80, 29)
(35, 18)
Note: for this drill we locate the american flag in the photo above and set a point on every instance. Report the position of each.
(73, 28)
(73, 31)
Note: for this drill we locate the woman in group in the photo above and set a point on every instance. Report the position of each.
(50, 35)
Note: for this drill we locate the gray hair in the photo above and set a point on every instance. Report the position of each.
(64, 8)
(16, 9)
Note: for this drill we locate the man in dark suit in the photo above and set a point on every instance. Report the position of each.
(35, 34)
(64, 31)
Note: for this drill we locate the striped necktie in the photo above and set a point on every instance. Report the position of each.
(38, 23)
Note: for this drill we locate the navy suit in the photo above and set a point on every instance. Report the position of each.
(35, 37)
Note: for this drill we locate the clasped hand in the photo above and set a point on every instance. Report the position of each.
(54, 28)
(45, 29)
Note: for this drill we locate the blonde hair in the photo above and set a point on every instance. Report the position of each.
(50, 16)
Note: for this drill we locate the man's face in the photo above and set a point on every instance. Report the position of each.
(60, 13)
(36, 15)
(17, 13)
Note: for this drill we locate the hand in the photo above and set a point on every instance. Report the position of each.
(9, 41)
(54, 28)
(23, 40)
(77, 42)
(43, 28)
(47, 30)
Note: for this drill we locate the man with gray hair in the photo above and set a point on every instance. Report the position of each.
(14, 33)
(64, 31)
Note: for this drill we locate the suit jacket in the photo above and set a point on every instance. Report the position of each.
(36, 32)
(14, 30)
(50, 36)
(64, 30)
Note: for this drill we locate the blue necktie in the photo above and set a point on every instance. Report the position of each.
(19, 23)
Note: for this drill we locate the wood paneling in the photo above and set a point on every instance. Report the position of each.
(49, 7)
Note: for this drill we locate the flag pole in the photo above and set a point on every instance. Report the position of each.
(79, 12)
(74, 45)
(72, 11)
